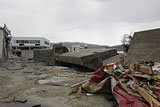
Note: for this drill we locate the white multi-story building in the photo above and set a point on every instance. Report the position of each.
(29, 43)
(23, 46)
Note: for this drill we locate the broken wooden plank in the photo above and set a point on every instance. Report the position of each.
(78, 84)
(152, 101)
(133, 78)
(154, 87)
(143, 76)
(144, 69)
(129, 91)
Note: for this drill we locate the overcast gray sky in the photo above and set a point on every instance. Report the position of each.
(92, 21)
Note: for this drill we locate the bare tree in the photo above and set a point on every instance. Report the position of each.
(126, 41)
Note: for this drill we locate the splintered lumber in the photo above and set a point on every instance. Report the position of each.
(154, 87)
(129, 91)
(78, 84)
(151, 100)
(143, 76)
(144, 69)
(133, 78)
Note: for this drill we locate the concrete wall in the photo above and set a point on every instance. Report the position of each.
(144, 46)
(1, 43)
(45, 55)
(27, 54)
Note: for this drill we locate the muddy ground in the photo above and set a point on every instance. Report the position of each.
(30, 84)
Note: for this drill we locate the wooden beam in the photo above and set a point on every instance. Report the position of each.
(129, 91)
(144, 69)
(78, 84)
(151, 100)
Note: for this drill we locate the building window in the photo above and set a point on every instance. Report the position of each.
(34, 41)
(28, 41)
(45, 42)
(37, 44)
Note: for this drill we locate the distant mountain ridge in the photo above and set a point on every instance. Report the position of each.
(118, 47)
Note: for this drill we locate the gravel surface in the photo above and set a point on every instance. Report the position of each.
(25, 84)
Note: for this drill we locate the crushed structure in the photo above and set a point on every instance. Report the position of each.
(135, 86)
(144, 46)
(85, 58)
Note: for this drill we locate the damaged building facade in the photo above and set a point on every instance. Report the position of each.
(24, 46)
(4, 41)
(26, 43)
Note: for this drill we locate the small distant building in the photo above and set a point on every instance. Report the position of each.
(85, 46)
(4, 41)
(24, 46)
(74, 48)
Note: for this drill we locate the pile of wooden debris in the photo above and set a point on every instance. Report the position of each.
(135, 85)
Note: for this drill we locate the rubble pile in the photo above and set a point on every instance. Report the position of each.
(132, 86)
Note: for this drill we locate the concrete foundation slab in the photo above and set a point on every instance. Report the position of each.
(89, 58)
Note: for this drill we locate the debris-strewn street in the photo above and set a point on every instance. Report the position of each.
(78, 53)
(29, 84)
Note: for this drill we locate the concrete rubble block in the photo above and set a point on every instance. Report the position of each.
(89, 58)
(44, 55)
